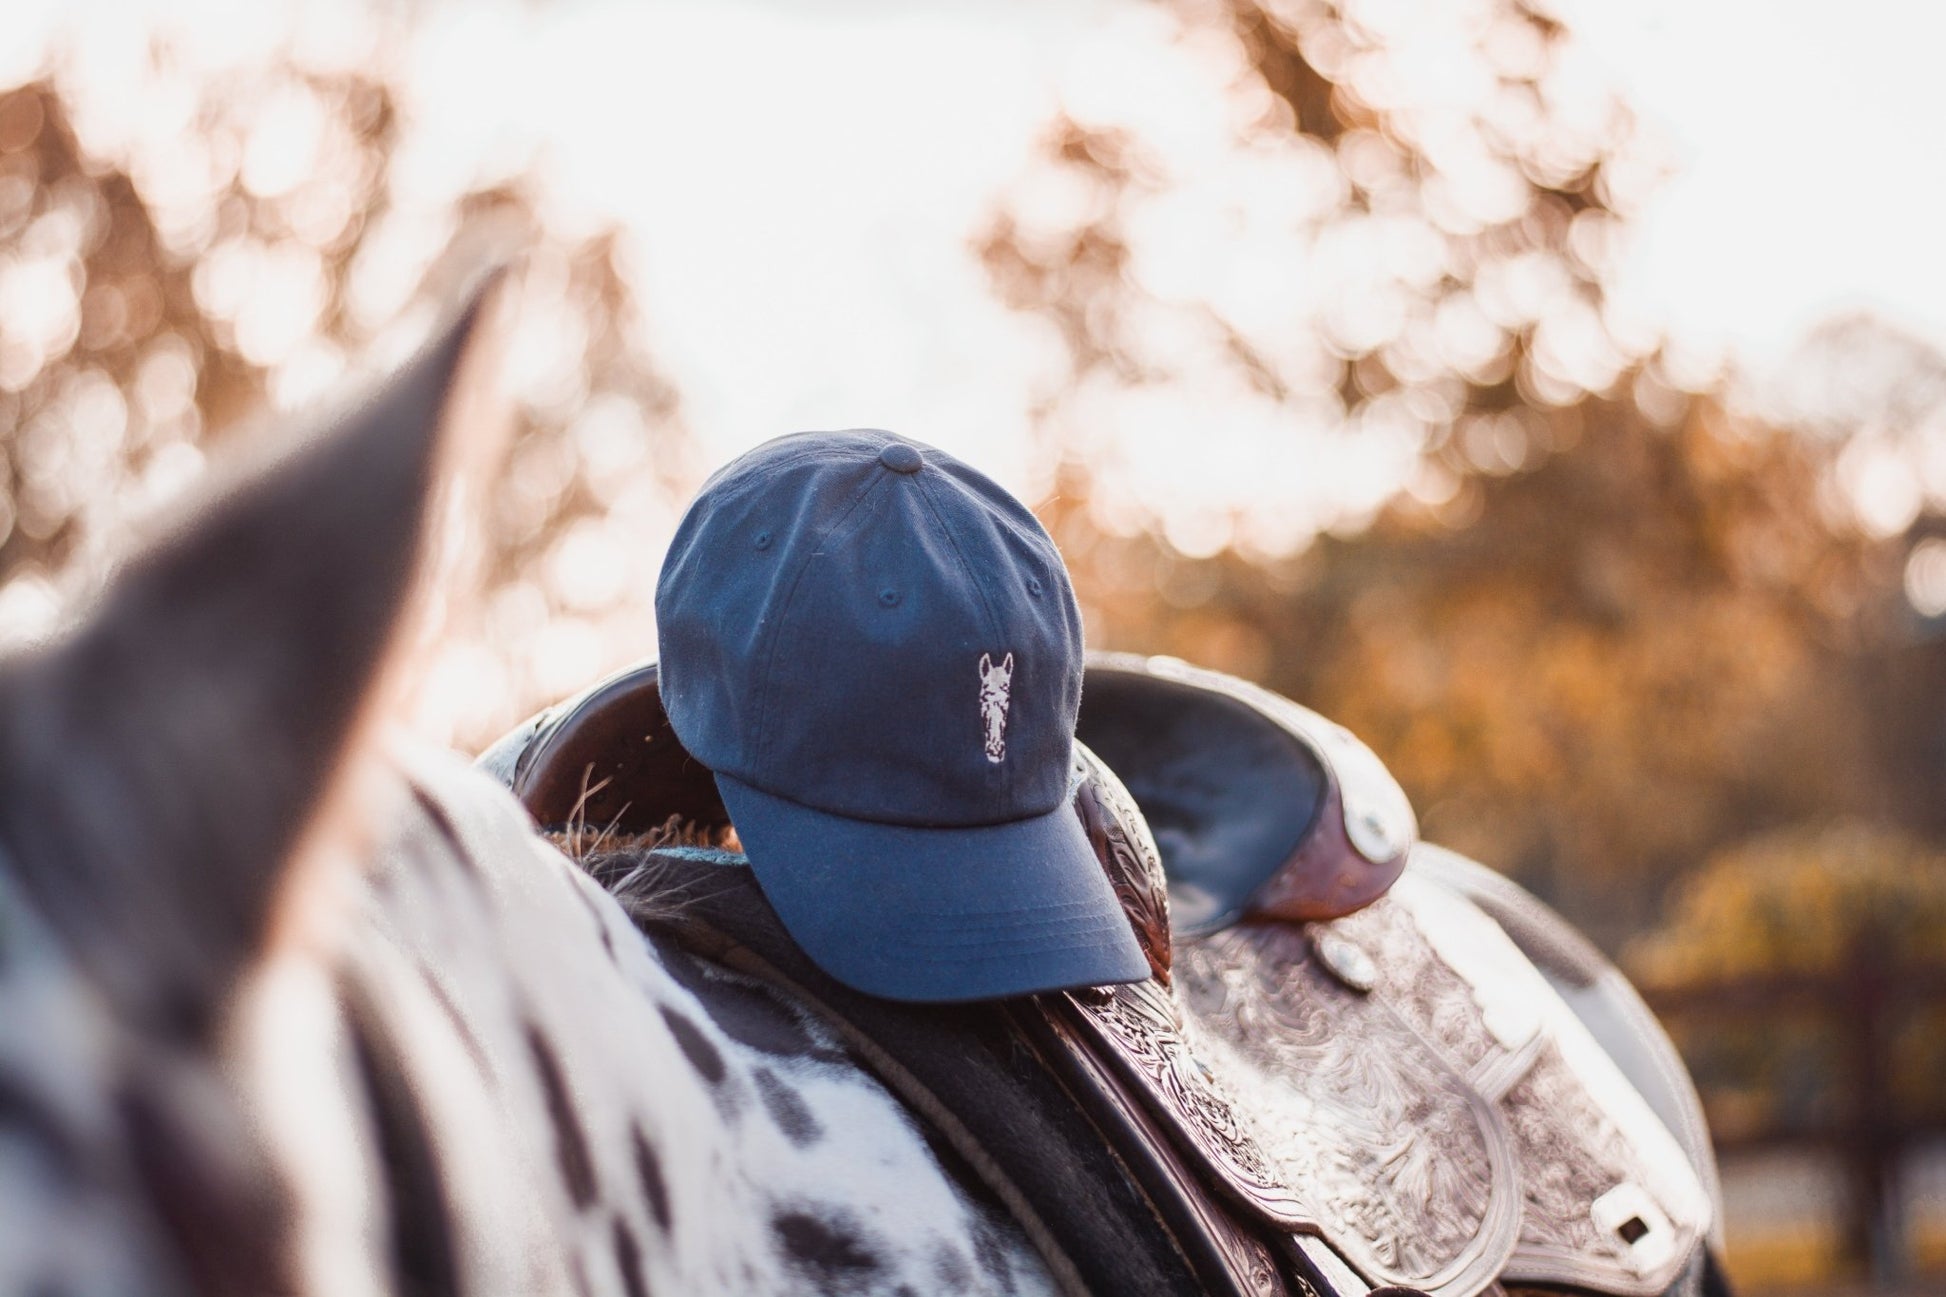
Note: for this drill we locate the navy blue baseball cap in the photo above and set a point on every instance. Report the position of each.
(876, 651)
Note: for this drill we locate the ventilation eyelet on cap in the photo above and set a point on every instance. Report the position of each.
(762, 540)
(889, 598)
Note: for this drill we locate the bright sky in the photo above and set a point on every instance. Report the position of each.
(804, 179)
(810, 172)
(803, 176)
(1811, 177)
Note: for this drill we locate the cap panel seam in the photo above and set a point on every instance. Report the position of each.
(986, 605)
(774, 631)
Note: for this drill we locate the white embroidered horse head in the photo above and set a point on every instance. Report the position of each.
(996, 689)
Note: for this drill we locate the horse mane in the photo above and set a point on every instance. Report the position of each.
(625, 864)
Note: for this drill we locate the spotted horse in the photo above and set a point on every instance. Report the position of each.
(288, 1005)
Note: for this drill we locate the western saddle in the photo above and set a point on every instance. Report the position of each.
(1362, 1063)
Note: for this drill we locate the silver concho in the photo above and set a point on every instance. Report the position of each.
(1378, 818)
(1344, 959)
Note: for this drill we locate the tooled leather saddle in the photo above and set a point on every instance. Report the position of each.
(1361, 1062)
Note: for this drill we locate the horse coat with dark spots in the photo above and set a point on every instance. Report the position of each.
(684, 1129)
(281, 1013)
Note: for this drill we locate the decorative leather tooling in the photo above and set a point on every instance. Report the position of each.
(1345, 1052)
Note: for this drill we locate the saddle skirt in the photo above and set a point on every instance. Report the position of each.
(1402, 1084)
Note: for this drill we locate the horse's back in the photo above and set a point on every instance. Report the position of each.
(658, 1124)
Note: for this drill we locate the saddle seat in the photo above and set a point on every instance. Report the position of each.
(1341, 1040)
(1258, 806)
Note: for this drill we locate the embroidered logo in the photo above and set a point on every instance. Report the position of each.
(996, 692)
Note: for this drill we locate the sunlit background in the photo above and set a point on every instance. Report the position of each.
(1555, 395)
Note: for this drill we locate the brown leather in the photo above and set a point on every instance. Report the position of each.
(1132, 1068)
(1258, 806)
(1234, 1253)
(1285, 831)
(1325, 878)
(1110, 817)
(607, 758)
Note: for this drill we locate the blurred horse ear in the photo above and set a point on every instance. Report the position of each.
(160, 764)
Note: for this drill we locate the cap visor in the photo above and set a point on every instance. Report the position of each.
(936, 914)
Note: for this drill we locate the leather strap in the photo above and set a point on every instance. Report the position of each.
(1011, 1087)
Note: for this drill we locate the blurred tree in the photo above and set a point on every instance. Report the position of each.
(1907, 686)
(1847, 902)
(1396, 233)
(1624, 638)
(1803, 899)
(1607, 626)
(1590, 674)
(150, 298)
(1876, 392)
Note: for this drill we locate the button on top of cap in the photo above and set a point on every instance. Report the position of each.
(901, 458)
